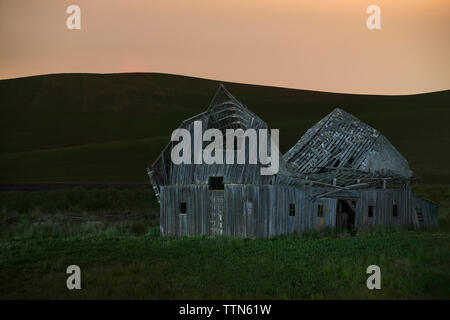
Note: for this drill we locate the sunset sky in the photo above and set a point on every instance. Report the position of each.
(318, 45)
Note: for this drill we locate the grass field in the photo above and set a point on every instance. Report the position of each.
(117, 262)
(110, 128)
(115, 241)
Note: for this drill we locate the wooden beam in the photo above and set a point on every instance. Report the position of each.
(351, 205)
(342, 188)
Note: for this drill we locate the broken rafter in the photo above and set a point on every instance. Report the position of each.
(340, 189)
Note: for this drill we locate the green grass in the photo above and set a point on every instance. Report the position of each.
(110, 128)
(118, 264)
(72, 206)
(79, 200)
(129, 259)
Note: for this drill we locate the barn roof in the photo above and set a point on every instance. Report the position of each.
(343, 147)
(224, 112)
(339, 152)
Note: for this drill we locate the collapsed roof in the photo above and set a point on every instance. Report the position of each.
(344, 148)
(340, 151)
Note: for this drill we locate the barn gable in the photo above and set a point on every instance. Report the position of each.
(224, 112)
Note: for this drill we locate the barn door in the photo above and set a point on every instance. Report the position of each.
(216, 212)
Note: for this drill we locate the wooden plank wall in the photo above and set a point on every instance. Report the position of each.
(269, 216)
(383, 201)
(328, 220)
(429, 212)
(196, 219)
(383, 215)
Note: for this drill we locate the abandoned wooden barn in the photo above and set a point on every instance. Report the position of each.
(341, 174)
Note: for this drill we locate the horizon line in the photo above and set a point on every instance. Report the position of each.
(222, 81)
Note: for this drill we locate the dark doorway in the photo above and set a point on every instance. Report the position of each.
(345, 214)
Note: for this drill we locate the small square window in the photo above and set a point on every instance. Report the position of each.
(320, 210)
(292, 210)
(395, 210)
(216, 183)
(370, 212)
(183, 207)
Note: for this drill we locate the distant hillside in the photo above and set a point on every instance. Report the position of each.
(109, 128)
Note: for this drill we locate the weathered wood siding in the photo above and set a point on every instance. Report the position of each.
(429, 212)
(195, 221)
(383, 201)
(269, 214)
(280, 222)
(328, 220)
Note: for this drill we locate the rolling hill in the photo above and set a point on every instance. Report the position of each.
(108, 128)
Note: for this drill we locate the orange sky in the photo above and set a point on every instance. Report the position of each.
(315, 44)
